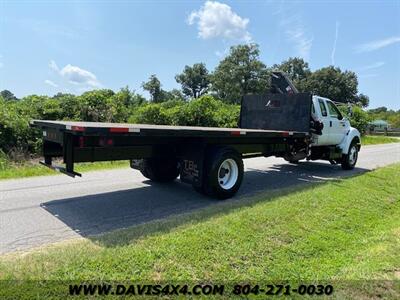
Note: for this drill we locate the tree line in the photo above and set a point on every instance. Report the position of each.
(242, 72)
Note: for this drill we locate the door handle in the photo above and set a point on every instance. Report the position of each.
(330, 123)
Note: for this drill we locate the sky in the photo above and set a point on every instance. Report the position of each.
(74, 46)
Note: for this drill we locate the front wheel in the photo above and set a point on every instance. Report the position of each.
(349, 160)
(223, 173)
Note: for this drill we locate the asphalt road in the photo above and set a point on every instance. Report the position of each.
(41, 210)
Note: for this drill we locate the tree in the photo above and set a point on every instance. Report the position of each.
(153, 86)
(334, 84)
(7, 95)
(173, 94)
(70, 104)
(96, 106)
(378, 110)
(240, 73)
(130, 98)
(194, 80)
(362, 100)
(297, 70)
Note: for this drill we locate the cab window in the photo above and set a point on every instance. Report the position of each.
(322, 107)
(334, 111)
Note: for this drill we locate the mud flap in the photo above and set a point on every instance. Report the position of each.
(191, 165)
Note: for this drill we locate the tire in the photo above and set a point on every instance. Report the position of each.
(160, 169)
(223, 173)
(349, 160)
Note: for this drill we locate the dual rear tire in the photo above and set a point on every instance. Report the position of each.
(223, 173)
(160, 169)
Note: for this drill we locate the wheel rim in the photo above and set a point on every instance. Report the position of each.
(353, 155)
(228, 174)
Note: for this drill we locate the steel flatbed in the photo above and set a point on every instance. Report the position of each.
(202, 156)
(98, 128)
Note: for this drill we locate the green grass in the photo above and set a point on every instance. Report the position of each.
(344, 232)
(35, 169)
(376, 139)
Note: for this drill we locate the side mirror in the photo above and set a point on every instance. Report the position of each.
(340, 117)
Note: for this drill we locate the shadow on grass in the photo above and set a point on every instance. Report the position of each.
(121, 217)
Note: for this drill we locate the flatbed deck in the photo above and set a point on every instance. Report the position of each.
(98, 128)
(209, 158)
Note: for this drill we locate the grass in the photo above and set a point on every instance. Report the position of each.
(344, 232)
(376, 139)
(29, 169)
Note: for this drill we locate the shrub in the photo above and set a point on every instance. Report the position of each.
(204, 111)
(359, 118)
(152, 113)
(4, 161)
(198, 112)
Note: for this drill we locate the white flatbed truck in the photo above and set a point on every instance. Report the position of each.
(283, 123)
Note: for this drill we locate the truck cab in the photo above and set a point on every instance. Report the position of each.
(335, 126)
(336, 134)
(332, 137)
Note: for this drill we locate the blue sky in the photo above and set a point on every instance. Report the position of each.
(65, 46)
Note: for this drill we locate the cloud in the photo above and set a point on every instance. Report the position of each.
(297, 33)
(51, 83)
(218, 20)
(375, 45)
(1, 64)
(76, 75)
(378, 64)
(334, 43)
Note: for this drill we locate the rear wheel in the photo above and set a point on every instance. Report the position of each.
(349, 160)
(160, 169)
(223, 174)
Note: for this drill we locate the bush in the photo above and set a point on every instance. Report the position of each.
(204, 111)
(15, 134)
(359, 118)
(151, 114)
(4, 161)
(198, 112)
